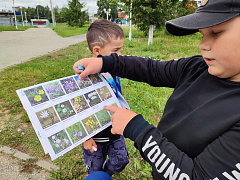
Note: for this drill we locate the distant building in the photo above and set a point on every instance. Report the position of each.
(6, 19)
(40, 22)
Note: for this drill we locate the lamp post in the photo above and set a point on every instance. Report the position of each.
(53, 19)
(130, 23)
(15, 18)
(107, 11)
(26, 17)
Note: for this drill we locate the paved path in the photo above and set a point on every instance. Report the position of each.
(20, 46)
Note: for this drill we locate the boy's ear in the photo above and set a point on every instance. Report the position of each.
(96, 50)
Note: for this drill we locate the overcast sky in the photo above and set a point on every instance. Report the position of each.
(91, 5)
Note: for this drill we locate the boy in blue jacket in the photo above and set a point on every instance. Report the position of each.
(105, 37)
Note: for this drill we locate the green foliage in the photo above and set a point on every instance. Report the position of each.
(111, 5)
(75, 15)
(157, 12)
(64, 30)
(13, 28)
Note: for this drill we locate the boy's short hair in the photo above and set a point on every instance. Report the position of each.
(209, 13)
(101, 31)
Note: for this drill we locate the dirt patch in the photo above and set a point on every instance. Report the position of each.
(10, 169)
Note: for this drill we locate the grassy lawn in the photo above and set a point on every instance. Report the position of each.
(64, 30)
(13, 28)
(142, 98)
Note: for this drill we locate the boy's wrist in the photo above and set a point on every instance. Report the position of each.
(135, 127)
(108, 63)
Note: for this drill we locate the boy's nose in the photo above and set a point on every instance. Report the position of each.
(205, 45)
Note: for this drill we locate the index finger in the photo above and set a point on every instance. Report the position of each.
(111, 108)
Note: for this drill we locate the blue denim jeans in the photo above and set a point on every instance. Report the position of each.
(117, 157)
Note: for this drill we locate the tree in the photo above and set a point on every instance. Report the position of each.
(63, 15)
(111, 5)
(75, 15)
(151, 12)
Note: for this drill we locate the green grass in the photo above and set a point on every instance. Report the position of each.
(13, 28)
(142, 98)
(64, 30)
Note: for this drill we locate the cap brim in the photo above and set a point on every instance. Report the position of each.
(191, 23)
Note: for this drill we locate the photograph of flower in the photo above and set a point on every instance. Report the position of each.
(36, 95)
(83, 83)
(54, 90)
(79, 103)
(47, 117)
(69, 85)
(65, 110)
(92, 98)
(91, 124)
(59, 141)
(104, 93)
(76, 132)
(95, 78)
(103, 117)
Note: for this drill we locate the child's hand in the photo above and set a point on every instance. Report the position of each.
(120, 118)
(90, 65)
(89, 144)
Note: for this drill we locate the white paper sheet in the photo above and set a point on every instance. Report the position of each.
(66, 112)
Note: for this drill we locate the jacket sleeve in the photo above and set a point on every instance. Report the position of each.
(154, 72)
(220, 160)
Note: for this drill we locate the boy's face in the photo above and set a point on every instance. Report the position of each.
(114, 46)
(220, 48)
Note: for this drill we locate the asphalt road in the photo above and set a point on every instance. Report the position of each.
(20, 46)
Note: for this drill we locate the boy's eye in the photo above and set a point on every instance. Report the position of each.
(216, 33)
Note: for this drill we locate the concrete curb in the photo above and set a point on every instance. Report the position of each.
(43, 164)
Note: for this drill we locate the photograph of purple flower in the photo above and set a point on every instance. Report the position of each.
(59, 141)
(65, 110)
(83, 83)
(95, 78)
(69, 85)
(76, 132)
(92, 98)
(47, 117)
(54, 90)
(104, 93)
(36, 95)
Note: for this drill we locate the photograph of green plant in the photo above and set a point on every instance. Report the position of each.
(59, 141)
(103, 117)
(79, 103)
(83, 83)
(54, 90)
(76, 132)
(65, 110)
(91, 124)
(47, 117)
(69, 85)
(114, 104)
(92, 98)
(36, 95)
(95, 78)
(104, 93)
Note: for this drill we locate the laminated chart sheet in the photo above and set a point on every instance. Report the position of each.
(67, 111)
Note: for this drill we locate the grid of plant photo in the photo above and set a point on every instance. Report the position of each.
(68, 108)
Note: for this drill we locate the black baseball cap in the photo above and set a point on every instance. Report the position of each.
(209, 13)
